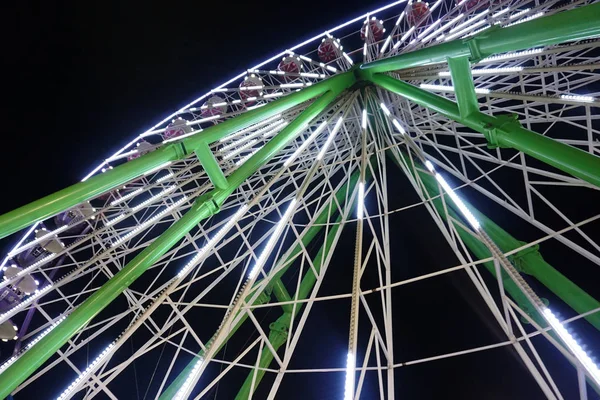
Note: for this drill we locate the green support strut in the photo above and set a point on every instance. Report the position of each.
(203, 207)
(578, 24)
(64, 199)
(503, 131)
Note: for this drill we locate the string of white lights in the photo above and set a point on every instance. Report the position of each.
(148, 222)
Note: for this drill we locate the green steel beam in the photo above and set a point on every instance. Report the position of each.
(503, 131)
(211, 166)
(280, 328)
(66, 198)
(528, 261)
(462, 80)
(203, 207)
(283, 295)
(578, 24)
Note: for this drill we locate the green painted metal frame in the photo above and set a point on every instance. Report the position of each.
(66, 198)
(202, 208)
(578, 24)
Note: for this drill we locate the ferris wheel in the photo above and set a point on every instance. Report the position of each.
(194, 257)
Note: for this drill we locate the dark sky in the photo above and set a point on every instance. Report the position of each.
(82, 78)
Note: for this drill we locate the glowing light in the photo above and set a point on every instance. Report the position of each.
(444, 88)
(531, 17)
(271, 95)
(213, 241)
(85, 374)
(487, 71)
(272, 241)
(469, 21)
(154, 198)
(148, 222)
(47, 236)
(347, 57)
(305, 144)
(501, 12)
(585, 99)
(184, 390)
(403, 38)
(398, 126)
(24, 303)
(164, 178)
(237, 151)
(443, 27)
(572, 344)
(429, 29)
(127, 196)
(11, 360)
(385, 44)
(507, 56)
(349, 383)
(518, 14)
(429, 166)
(360, 201)
(466, 30)
(385, 109)
(364, 119)
(332, 134)
(246, 157)
(458, 201)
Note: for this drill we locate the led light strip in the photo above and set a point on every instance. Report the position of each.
(364, 119)
(360, 200)
(186, 387)
(164, 178)
(84, 375)
(332, 134)
(403, 38)
(127, 196)
(591, 368)
(531, 17)
(24, 303)
(349, 382)
(246, 157)
(272, 241)
(486, 71)
(572, 344)
(211, 242)
(442, 28)
(395, 122)
(444, 88)
(248, 129)
(276, 56)
(153, 198)
(305, 144)
(148, 222)
(14, 358)
(585, 99)
(47, 236)
(466, 30)
(508, 56)
(237, 151)
(259, 132)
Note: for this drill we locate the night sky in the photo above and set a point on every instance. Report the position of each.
(84, 77)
